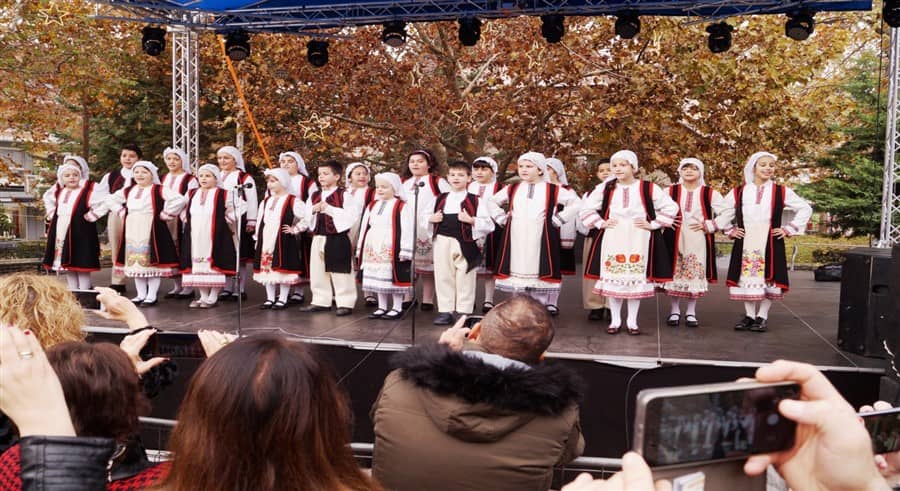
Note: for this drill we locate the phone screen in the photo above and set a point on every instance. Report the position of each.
(175, 345)
(717, 425)
(87, 299)
(884, 429)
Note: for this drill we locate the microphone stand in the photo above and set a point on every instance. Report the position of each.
(238, 189)
(412, 273)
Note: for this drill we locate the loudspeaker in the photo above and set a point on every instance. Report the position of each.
(892, 333)
(864, 317)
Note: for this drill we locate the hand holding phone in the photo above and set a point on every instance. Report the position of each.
(87, 299)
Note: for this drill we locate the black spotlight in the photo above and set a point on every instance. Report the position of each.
(553, 27)
(628, 25)
(891, 12)
(719, 37)
(469, 31)
(153, 40)
(237, 45)
(799, 25)
(394, 33)
(317, 53)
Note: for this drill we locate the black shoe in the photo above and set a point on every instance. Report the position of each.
(378, 314)
(266, 305)
(674, 320)
(371, 302)
(596, 315)
(760, 325)
(690, 320)
(145, 303)
(444, 319)
(486, 307)
(342, 311)
(314, 308)
(744, 324)
(553, 310)
(408, 304)
(296, 299)
(427, 307)
(392, 315)
(225, 295)
(120, 289)
(607, 314)
(171, 295)
(185, 296)
(279, 305)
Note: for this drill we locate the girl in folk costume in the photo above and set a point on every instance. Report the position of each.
(49, 197)
(595, 304)
(301, 187)
(556, 174)
(147, 251)
(692, 241)
(180, 180)
(757, 273)
(234, 174)
(72, 243)
(422, 172)
(528, 259)
(207, 249)
(278, 259)
(485, 185)
(629, 255)
(110, 183)
(385, 246)
(357, 176)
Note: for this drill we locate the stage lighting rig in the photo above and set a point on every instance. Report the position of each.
(394, 33)
(317, 52)
(628, 25)
(891, 12)
(799, 25)
(719, 37)
(469, 31)
(553, 27)
(153, 40)
(237, 45)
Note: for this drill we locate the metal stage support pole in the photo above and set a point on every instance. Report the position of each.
(185, 92)
(890, 202)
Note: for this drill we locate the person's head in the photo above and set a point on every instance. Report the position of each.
(144, 173)
(293, 163)
(230, 158)
(603, 170)
(760, 168)
(208, 176)
(519, 328)
(101, 387)
(329, 173)
(531, 167)
(690, 171)
(357, 175)
(388, 185)
(484, 170)
(176, 160)
(420, 163)
(69, 176)
(277, 181)
(459, 175)
(624, 165)
(556, 172)
(129, 154)
(42, 305)
(80, 162)
(279, 422)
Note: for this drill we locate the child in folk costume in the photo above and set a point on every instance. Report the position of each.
(301, 187)
(207, 247)
(757, 273)
(692, 241)
(458, 220)
(147, 251)
(235, 177)
(629, 255)
(421, 173)
(331, 213)
(111, 183)
(179, 179)
(72, 243)
(49, 197)
(556, 174)
(384, 250)
(357, 176)
(595, 304)
(485, 185)
(528, 260)
(278, 260)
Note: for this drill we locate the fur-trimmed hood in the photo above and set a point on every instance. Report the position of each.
(476, 401)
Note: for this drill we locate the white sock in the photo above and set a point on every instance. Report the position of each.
(398, 301)
(383, 299)
(176, 281)
(84, 281)
(692, 307)
(634, 304)
(72, 281)
(204, 294)
(285, 291)
(553, 298)
(140, 286)
(764, 307)
(615, 312)
(750, 309)
(153, 288)
(676, 306)
(213, 296)
(428, 289)
(270, 293)
(489, 289)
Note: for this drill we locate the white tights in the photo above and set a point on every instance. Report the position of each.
(396, 298)
(79, 280)
(758, 309)
(615, 307)
(147, 288)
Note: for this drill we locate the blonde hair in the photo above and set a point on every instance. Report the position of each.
(42, 305)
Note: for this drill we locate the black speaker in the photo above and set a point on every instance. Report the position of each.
(892, 334)
(866, 302)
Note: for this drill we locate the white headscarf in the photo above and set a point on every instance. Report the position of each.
(628, 156)
(212, 169)
(301, 164)
(751, 165)
(65, 167)
(185, 163)
(488, 160)
(560, 170)
(149, 166)
(236, 154)
(695, 162)
(354, 165)
(82, 164)
(537, 159)
(395, 183)
(283, 177)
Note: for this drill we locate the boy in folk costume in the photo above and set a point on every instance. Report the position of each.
(72, 243)
(234, 174)
(357, 176)
(556, 174)
(528, 260)
(384, 251)
(422, 172)
(757, 273)
(595, 304)
(147, 251)
(207, 247)
(278, 260)
(301, 187)
(691, 241)
(485, 185)
(179, 179)
(629, 255)
(331, 213)
(111, 183)
(458, 220)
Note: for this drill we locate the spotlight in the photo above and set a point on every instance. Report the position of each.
(719, 37)
(628, 25)
(553, 27)
(469, 31)
(394, 33)
(237, 45)
(799, 25)
(153, 41)
(891, 12)
(317, 53)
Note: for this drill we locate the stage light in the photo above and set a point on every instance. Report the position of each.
(719, 37)
(628, 25)
(394, 33)
(891, 12)
(553, 27)
(317, 53)
(153, 41)
(469, 31)
(237, 45)
(799, 25)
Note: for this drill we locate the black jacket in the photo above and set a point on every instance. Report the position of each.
(51, 463)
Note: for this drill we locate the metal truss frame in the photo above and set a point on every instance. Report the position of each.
(890, 198)
(185, 91)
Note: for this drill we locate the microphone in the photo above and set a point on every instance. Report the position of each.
(421, 184)
(246, 185)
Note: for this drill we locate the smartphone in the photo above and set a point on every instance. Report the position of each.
(884, 429)
(87, 299)
(472, 320)
(174, 345)
(712, 422)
